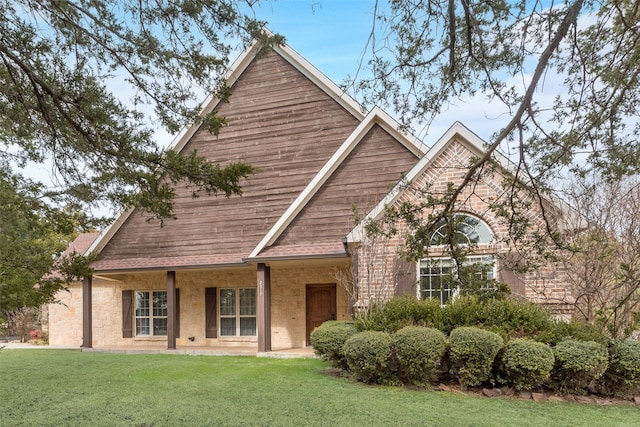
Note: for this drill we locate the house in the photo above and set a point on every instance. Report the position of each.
(263, 269)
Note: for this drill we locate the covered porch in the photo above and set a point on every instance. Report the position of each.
(284, 299)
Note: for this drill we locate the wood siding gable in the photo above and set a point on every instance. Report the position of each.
(359, 174)
(280, 122)
(360, 182)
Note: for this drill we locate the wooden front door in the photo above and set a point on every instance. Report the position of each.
(321, 306)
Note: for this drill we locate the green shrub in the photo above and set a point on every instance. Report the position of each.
(509, 317)
(418, 352)
(560, 330)
(472, 351)
(368, 355)
(398, 313)
(622, 377)
(578, 364)
(329, 338)
(526, 363)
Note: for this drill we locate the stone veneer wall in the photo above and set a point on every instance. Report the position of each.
(288, 306)
(65, 317)
(288, 300)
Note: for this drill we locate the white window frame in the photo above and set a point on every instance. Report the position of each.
(480, 235)
(238, 314)
(448, 262)
(151, 315)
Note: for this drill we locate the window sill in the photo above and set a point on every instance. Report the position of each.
(238, 339)
(145, 338)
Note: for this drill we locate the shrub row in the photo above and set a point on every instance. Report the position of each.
(416, 355)
(509, 318)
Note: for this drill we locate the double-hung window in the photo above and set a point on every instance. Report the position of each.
(238, 312)
(151, 313)
(440, 276)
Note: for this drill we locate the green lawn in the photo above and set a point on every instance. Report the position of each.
(70, 388)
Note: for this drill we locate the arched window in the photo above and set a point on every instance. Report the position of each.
(466, 230)
(438, 275)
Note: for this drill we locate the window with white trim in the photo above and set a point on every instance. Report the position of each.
(151, 313)
(238, 312)
(440, 277)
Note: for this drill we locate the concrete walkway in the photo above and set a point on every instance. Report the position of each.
(12, 345)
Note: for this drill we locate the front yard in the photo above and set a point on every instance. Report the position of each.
(70, 388)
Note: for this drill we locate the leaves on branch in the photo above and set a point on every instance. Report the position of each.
(79, 81)
(427, 55)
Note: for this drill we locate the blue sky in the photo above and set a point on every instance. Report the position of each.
(332, 35)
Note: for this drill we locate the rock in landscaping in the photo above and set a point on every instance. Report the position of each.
(507, 391)
(526, 395)
(444, 387)
(584, 399)
(538, 397)
(491, 392)
(636, 400)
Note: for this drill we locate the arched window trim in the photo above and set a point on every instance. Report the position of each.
(434, 271)
(473, 224)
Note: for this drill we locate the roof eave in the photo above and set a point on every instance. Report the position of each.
(262, 259)
(125, 270)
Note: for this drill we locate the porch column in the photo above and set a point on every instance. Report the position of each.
(264, 308)
(87, 338)
(171, 310)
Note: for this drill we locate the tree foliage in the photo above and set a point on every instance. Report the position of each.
(426, 55)
(423, 57)
(602, 265)
(32, 236)
(59, 64)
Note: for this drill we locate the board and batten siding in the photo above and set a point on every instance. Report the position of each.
(278, 121)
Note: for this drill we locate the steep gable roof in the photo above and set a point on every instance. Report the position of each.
(289, 121)
(457, 132)
(239, 66)
(375, 118)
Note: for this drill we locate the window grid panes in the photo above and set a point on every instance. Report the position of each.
(238, 312)
(438, 275)
(151, 313)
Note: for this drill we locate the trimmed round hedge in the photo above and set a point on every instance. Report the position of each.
(472, 352)
(526, 363)
(329, 338)
(418, 351)
(369, 355)
(623, 374)
(578, 364)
